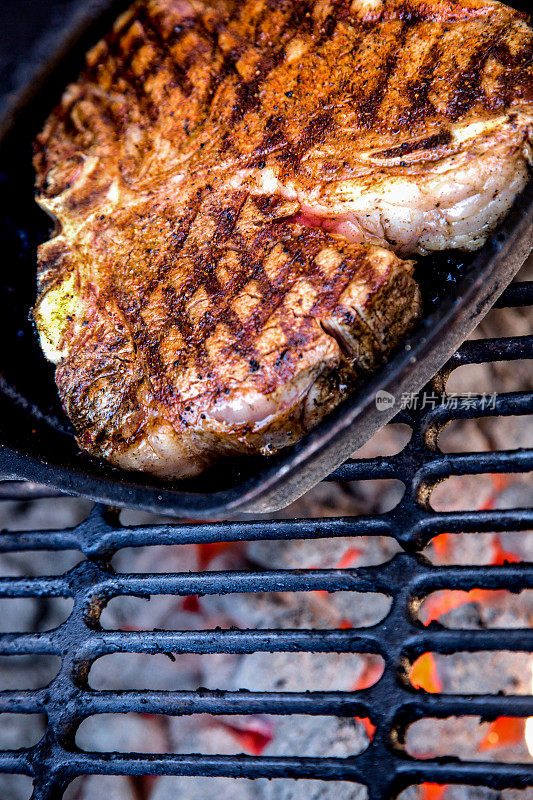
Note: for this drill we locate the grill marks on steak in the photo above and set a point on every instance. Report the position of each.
(214, 173)
(237, 339)
(407, 125)
(255, 80)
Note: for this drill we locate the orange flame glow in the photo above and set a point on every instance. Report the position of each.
(443, 545)
(372, 672)
(191, 604)
(501, 556)
(503, 732)
(369, 727)
(424, 675)
(440, 603)
(499, 483)
(207, 551)
(348, 558)
(254, 736)
(432, 791)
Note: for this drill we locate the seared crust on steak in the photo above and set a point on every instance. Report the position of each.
(189, 304)
(236, 342)
(403, 122)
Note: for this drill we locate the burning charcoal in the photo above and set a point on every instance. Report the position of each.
(203, 788)
(483, 492)
(18, 787)
(304, 609)
(469, 739)
(310, 790)
(178, 558)
(322, 737)
(96, 787)
(495, 611)
(129, 733)
(220, 735)
(323, 553)
(452, 792)
(481, 548)
(295, 672)
(478, 608)
(43, 514)
(296, 735)
(485, 673)
(480, 793)
(139, 671)
(164, 612)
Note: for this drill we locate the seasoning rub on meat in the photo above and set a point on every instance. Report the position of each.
(236, 185)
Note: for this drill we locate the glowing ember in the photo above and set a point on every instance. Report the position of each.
(345, 561)
(372, 672)
(208, 551)
(503, 732)
(369, 727)
(432, 791)
(443, 545)
(191, 603)
(499, 483)
(254, 735)
(501, 556)
(348, 558)
(424, 675)
(441, 603)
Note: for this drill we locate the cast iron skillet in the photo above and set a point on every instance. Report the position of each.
(47, 46)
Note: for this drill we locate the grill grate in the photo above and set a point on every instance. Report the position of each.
(392, 704)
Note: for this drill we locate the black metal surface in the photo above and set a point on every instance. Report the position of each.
(24, 490)
(36, 441)
(392, 704)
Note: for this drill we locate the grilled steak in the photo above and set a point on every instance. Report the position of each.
(223, 176)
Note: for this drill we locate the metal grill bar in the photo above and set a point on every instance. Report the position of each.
(71, 765)
(421, 524)
(342, 704)
(499, 349)
(392, 704)
(517, 294)
(362, 579)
